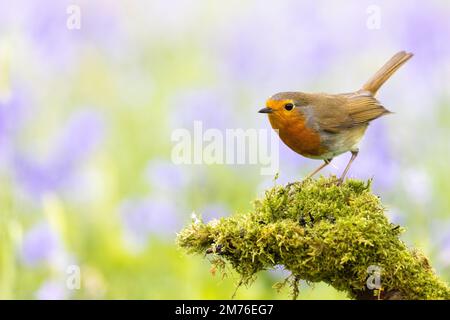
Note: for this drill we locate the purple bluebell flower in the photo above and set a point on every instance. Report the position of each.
(424, 29)
(167, 177)
(444, 252)
(149, 217)
(14, 111)
(40, 245)
(213, 211)
(44, 23)
(279, 273)
(80, 137)
(11, 109)
(52, 290)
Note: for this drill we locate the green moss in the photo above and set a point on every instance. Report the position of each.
(320, 232)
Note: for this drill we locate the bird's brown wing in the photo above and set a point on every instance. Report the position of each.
(339, 112)
(363, 108)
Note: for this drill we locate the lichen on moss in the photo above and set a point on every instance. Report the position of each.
(320, 232)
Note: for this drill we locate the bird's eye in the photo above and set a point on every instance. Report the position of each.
(289, 106)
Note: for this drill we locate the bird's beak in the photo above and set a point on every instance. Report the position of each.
(266, 110)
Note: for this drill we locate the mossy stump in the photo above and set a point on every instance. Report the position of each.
(319, 231)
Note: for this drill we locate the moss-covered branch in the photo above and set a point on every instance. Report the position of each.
(320, 232)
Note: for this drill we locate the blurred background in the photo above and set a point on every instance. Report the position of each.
(87, 185)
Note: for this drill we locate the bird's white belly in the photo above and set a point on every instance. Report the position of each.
(339, 143)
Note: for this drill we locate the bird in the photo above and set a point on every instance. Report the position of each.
(323, 126)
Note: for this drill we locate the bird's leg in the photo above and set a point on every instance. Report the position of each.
(326, 162)
(354, 154)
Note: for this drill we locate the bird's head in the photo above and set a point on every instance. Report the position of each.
(284, 106)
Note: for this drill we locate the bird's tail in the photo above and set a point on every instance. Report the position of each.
(386, 72)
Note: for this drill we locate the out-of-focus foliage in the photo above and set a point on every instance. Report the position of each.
(86, 116)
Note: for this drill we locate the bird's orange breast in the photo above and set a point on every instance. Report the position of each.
(297, 136)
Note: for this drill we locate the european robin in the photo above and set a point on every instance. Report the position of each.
(323, 126)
